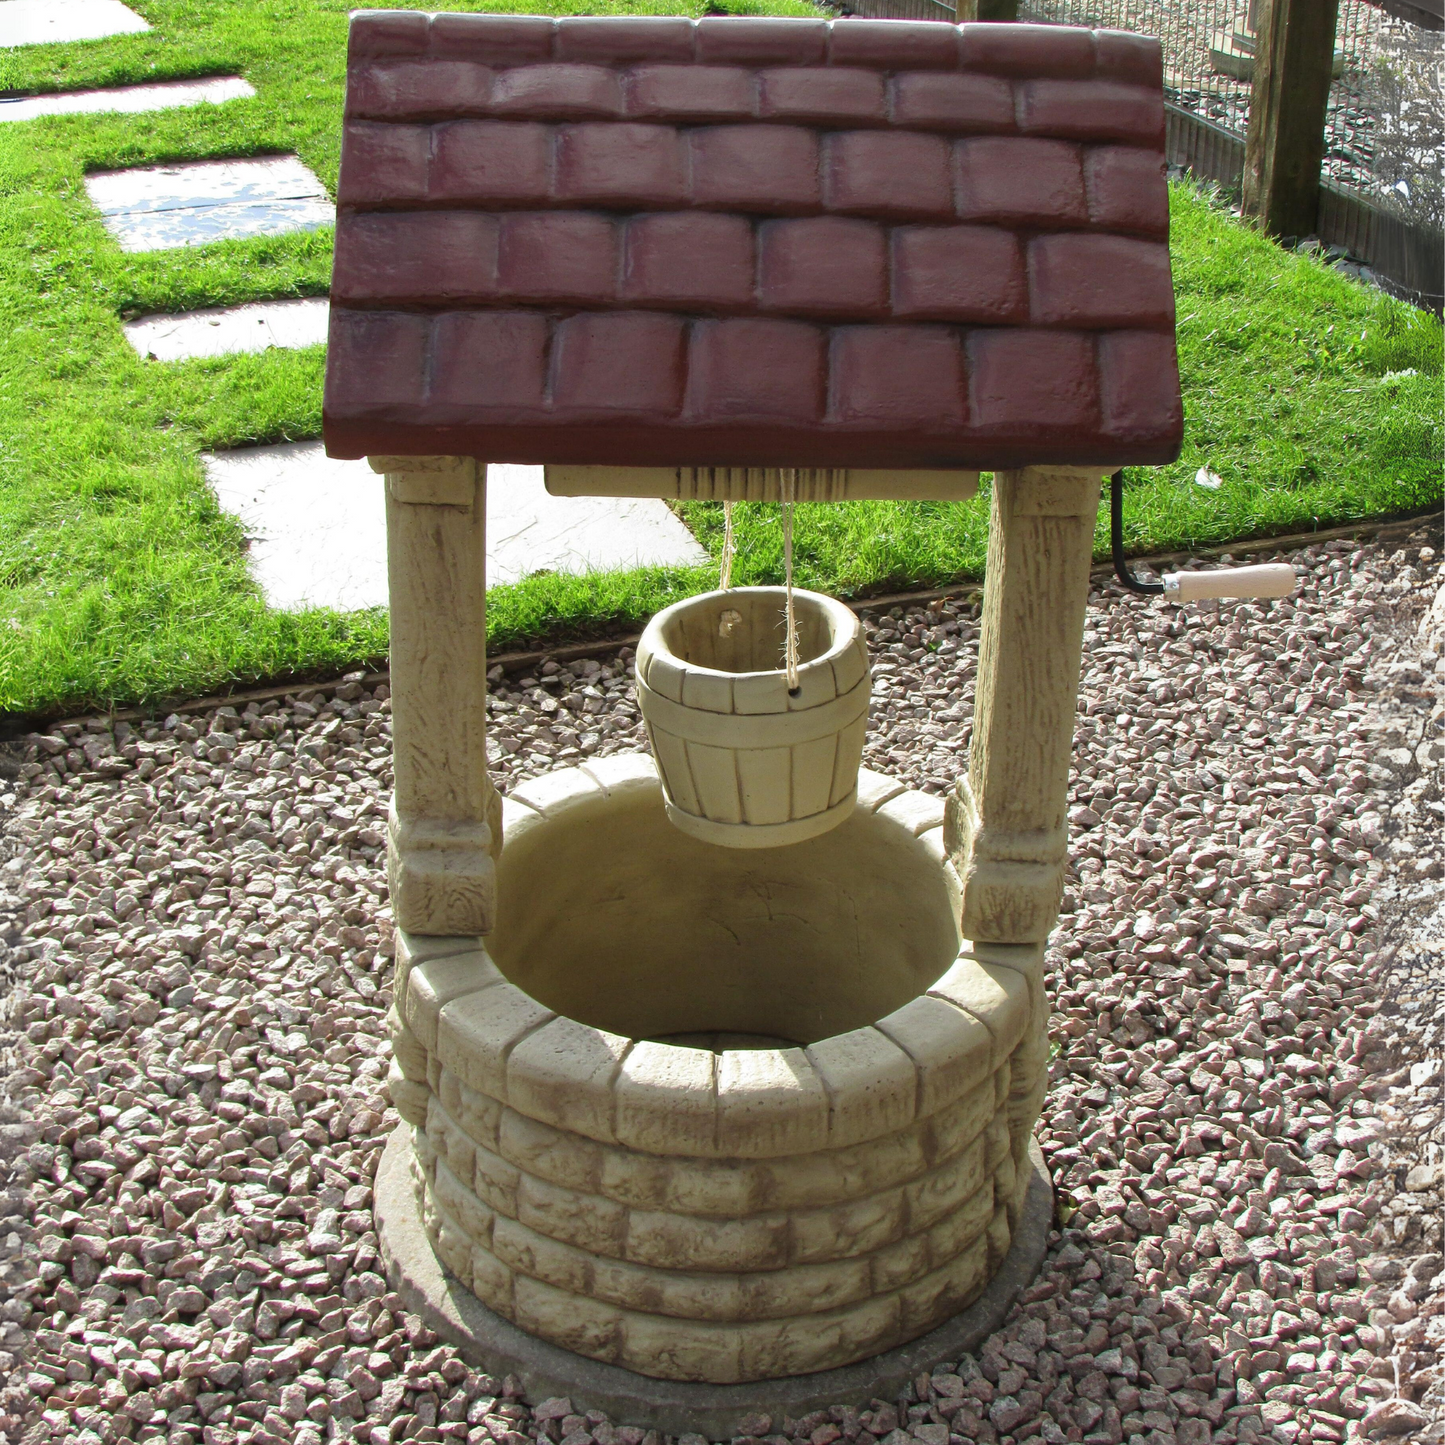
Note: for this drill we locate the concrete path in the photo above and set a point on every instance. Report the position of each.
(47, 22)
(319, 535)
(223, 330)
(124, 99)
(153, 208)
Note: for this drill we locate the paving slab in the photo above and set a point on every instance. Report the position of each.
(318, 526)
(156, 207)
(224, 330)
(46, 22)
(125, 99)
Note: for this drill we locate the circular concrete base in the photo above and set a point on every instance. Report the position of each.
(455, 1313)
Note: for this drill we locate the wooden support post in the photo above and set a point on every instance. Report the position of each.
(1285, 143)
(445, 824)
(1005, 822)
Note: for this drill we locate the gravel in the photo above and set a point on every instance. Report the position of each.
(199, 943)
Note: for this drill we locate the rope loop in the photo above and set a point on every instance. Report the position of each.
(790, 488)
(729, 547)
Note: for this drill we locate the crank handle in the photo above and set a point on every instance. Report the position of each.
(1269, 579)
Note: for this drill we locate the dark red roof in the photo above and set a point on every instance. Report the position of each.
(741, 241)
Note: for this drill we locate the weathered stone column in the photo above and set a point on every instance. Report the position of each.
(1006, 819)
(445, 823)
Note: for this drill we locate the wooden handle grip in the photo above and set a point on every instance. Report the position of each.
(1269, 579)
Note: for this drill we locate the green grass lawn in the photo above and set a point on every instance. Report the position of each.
(1316, 400)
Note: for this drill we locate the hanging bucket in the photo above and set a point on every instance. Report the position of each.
(744, 761)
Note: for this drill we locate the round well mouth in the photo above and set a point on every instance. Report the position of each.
(743, 630)
(611, 916)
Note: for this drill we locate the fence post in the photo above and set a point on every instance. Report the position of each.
(1285, 143)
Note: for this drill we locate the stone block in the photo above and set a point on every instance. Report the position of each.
(769, 1102)
(563, 1074)
(588, 1221)
(667, 1100)
(432, 985)
(476, 1032)
(870, 1082)
(680, 1241)
(950, 1049)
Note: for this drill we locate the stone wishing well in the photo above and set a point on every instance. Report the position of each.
(729, 1115)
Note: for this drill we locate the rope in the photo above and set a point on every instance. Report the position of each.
(789, 481)
(725, 581)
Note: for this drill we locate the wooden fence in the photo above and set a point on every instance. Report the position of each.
(1408, 256)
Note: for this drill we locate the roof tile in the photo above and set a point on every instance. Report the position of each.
(417, 89)
(1092, 110)
(1021, 182)
(389, 32)
(612, 164)
(751, 241)
(952, 101)
(558, 256)
(375, 360)
(1126, 190)
(1092, 280)
(490, 362)
(823, 94)
(505, 162)
(1139, 385)
(823, 266)
(493, 39)
(587, 37)
(894, 44)
(692, 92)
(1137, 59)
(1028, 51)
(756, 370)
(959, 273)
(616, 364)
(1025, 383)
(558, 92)
(382, 163)
(760, 168)
(886, 377)
(419, 257)
(695, 259)
(750, 40)
(888, 173)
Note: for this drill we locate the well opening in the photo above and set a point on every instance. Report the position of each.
(744, 630)
(610, 915)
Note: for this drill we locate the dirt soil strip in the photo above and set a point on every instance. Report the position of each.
(197, 946)
(520, 661)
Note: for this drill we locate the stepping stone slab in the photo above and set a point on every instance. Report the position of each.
(125, 99)
(318, 526)
(45, 22)
(221, 331)
(155, 208)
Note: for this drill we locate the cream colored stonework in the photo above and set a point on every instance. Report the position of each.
(1006, 826)
(727, 1113)
(711, 1212)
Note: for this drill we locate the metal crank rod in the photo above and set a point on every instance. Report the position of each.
(1268, 579)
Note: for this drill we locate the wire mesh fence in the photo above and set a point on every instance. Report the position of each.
(1385, 125)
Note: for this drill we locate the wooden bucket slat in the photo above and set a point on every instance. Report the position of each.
(849, 758)
(765, 778)
(671, 755)
(814, 767)
(715, 775)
